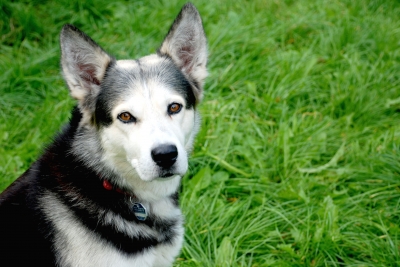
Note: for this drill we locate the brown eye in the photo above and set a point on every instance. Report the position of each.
(174, 108)
(126, 117)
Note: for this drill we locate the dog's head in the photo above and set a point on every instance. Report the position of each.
(138, 116)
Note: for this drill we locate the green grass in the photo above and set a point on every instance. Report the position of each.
(298, 159)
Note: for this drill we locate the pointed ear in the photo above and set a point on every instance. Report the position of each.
(83, 63)
(186, 44)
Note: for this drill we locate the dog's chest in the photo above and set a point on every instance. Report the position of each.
(77, 245)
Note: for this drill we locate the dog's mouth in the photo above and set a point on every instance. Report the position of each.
(169, 173)
(167, 176)
(157, 172)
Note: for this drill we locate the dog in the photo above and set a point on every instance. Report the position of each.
(105, 192)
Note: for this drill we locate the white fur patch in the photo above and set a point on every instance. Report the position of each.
(126, 63)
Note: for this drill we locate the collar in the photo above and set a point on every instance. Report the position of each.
(109, 187)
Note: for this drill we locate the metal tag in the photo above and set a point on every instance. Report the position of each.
(140, 211)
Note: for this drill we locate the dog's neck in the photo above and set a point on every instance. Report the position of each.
(138, 208)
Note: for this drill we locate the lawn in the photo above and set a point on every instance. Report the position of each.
(298, 159)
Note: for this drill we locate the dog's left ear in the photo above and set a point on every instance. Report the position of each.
(186, 44)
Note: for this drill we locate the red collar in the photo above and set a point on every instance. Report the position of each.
(109, 187)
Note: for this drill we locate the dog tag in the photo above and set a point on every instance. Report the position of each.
(140, 211)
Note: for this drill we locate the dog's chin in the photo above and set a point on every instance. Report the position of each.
(157, 189)
(151, 183)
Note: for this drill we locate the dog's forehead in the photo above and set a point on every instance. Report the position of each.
(125, 76)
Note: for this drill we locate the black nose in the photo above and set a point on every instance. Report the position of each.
(165, 155)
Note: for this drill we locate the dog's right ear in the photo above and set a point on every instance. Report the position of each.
(83, 63)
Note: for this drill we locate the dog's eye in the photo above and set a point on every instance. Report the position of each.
(126, 117)
(174, 108)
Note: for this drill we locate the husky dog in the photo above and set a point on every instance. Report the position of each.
(105, 192)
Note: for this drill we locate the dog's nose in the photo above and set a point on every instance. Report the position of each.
(165, 155)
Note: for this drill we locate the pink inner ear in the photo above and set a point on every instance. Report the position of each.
(186, 56)
(88, 73)
(186, 52)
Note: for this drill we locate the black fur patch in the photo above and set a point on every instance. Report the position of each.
(25, 238)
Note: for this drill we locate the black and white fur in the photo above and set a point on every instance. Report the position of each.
(58, 213)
